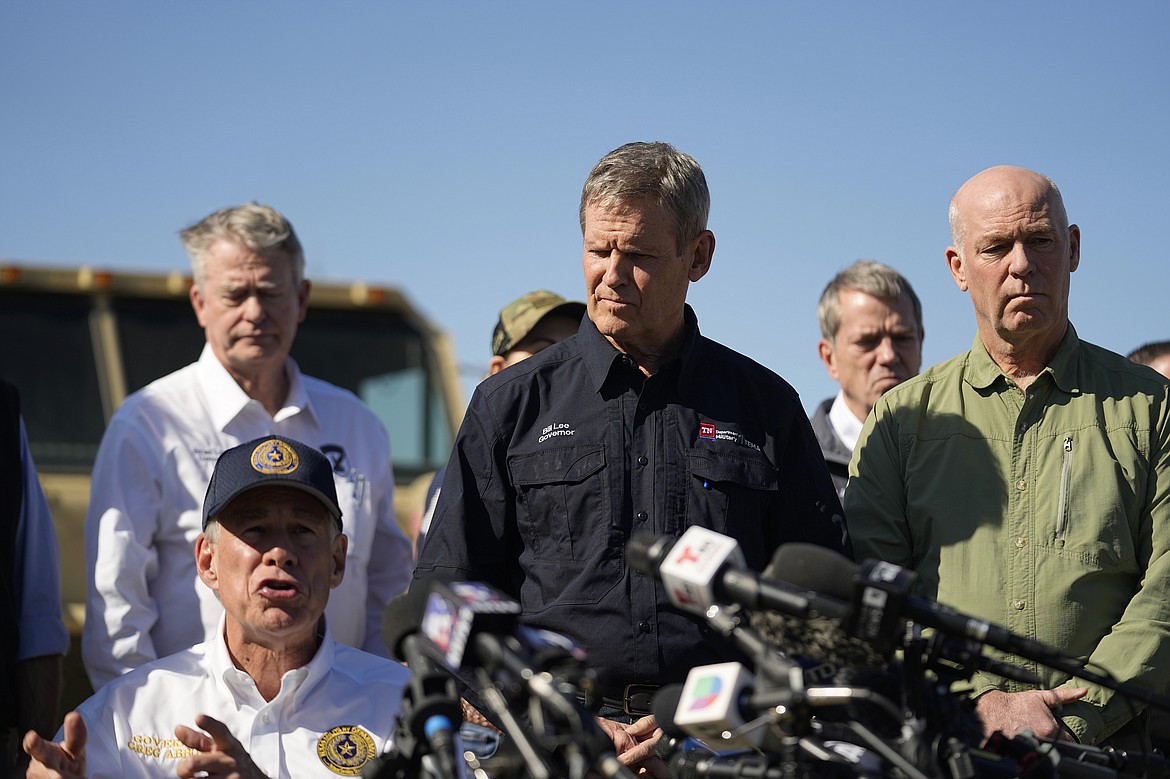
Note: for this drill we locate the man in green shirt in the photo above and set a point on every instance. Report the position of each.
(1028, 480)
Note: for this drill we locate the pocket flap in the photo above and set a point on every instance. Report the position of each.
(559, 465)
(754, 472)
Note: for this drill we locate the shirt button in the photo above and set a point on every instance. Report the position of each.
(1021, 543)
(643, 460)
(1019, 605)
(1022, 485)
(643, 516)
(644, 626)
(265, 718)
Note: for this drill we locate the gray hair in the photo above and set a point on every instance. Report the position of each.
(873, 278)
(255, 226)
(659, 172)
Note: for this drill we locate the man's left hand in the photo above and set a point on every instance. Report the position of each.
(635, 744)
(1013, 712)
(222, 755)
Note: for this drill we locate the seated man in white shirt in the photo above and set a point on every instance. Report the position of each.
(272, 693)
(871, 340)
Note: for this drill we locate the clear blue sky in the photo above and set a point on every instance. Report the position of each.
(441, 146)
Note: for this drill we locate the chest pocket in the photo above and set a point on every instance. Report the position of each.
(734, 494)
(562, 501)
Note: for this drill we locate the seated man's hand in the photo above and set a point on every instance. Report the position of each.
(222, 754)
(634, 745)
(65, 760)
(1013, 712)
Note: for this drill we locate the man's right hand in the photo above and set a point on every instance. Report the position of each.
(64, 760)
(219, 753)
(1014, 712)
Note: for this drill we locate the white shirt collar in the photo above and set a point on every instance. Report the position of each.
(298, 682)
(228, 400)
(845, 424)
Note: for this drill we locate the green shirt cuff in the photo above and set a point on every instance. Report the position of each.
(1084, 720)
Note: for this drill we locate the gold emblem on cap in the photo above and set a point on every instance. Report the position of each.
(274, 456)
(345, 749)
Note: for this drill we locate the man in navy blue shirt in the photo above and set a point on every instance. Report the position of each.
(637, 422)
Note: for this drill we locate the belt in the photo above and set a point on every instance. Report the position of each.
(633, 699)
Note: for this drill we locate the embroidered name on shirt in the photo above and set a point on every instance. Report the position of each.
(157, 746)
(709, 431)
(556, 429)
(206, 455)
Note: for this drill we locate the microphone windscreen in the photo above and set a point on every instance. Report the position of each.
(402, 616)
(816, 640)
(663, 706)
(816, 568)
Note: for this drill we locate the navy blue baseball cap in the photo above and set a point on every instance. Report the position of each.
(272, 460)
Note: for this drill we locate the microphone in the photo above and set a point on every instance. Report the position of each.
(430, 702)
(472, 628)
(711, 706)
(825, 650)
(882, 602)
(698, 763)
(663, 706)
(875, 625)
(702, 567)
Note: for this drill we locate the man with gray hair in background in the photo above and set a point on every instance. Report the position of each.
(156, 457)
(871, 340)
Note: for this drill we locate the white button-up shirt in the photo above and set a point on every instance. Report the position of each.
(145, 600)
(329, 718)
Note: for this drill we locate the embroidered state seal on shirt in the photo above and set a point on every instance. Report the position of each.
(345, 749)
(274, 456)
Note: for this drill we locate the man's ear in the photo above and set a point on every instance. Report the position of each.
(1074, 247)
(700, 259)
(496, 365)
(340, 547)
(957, 268)
(197, 303)
(303, 299)
(205, 564)
(829, 357)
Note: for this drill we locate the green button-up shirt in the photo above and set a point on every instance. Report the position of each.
(1046, 511)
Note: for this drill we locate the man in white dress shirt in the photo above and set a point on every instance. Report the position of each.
(271, 693)
(156, 456)
(871, 340)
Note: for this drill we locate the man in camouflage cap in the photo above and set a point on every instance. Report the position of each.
(530, 323)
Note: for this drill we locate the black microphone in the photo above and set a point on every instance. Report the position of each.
(701, 764)
(401, 618)
(663, 706)
(826, 650)
(472, 628)
(430, 702)
(882, 601)
(702, 567)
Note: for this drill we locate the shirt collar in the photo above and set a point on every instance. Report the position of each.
(983, 372)
(227, 399)
(602, 358)
(844, 423)
(298, 682)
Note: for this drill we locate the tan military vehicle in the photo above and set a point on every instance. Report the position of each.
(78, 340)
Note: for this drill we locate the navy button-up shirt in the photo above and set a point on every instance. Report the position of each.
(561, 457)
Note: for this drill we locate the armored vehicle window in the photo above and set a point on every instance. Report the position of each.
(47, 352)
(382, 358)
(156, 337)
